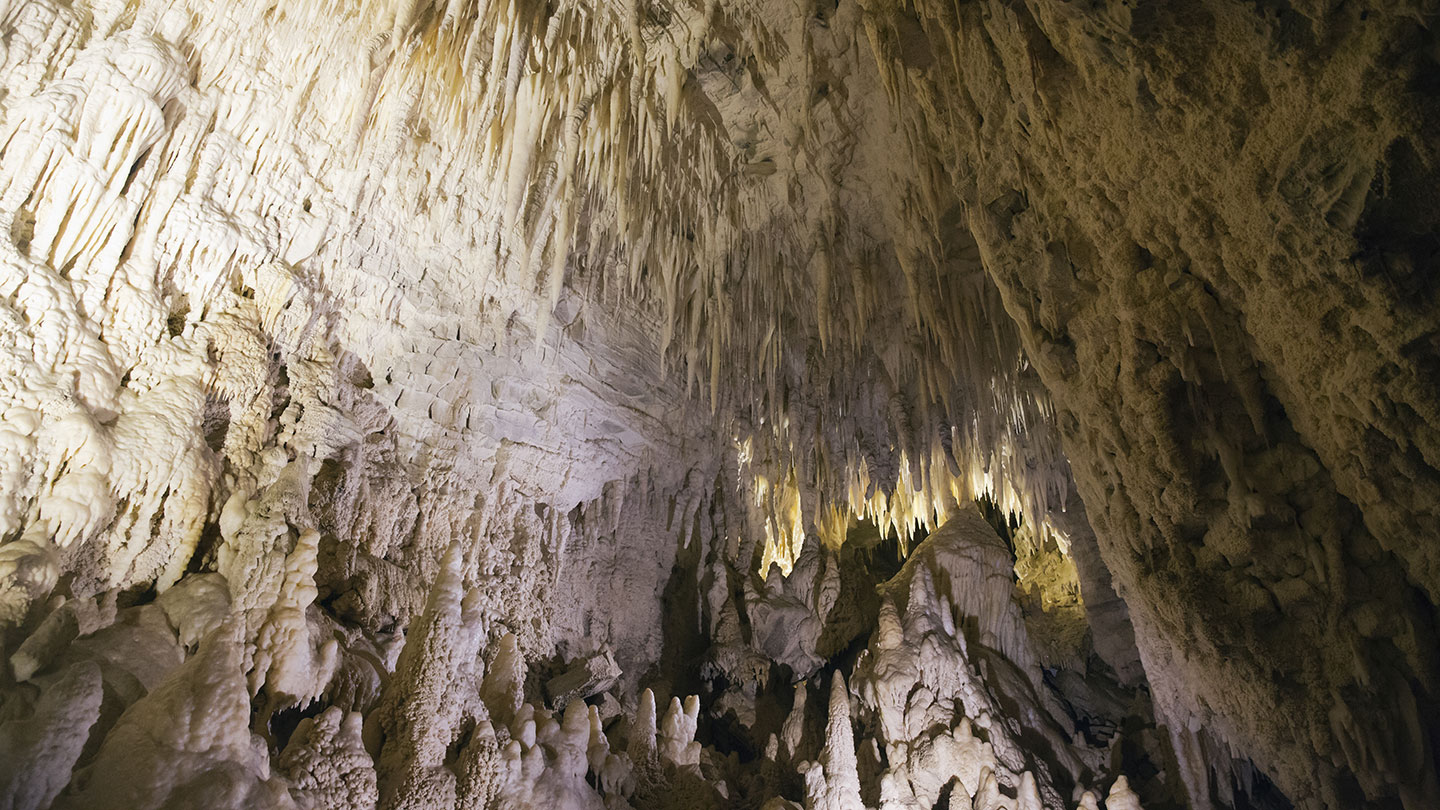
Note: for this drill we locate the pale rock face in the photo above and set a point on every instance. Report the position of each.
(787, 623)
(190, 735)
(397, 397)
(196, 606)
(40, 751)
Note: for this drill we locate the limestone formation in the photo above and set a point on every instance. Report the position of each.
(841, 404)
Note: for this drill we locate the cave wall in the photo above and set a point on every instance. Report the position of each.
(272, 413)
(215, 302)
(1214, 226)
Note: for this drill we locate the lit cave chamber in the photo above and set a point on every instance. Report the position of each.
(702, 404)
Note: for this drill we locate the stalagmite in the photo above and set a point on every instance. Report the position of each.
(676, 742)
(842, 780)
(642, 729)
(1122, 797)
(327, 764)
(425, 702)
(504, 678)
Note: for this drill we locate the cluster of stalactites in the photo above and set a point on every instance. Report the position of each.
(580, 130)
(919, 498)
(595, 127)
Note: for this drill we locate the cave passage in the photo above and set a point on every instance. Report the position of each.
(815, 405)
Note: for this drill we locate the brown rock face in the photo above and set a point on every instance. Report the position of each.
(1214, 225)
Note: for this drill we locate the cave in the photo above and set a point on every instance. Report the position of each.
(702, 404)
